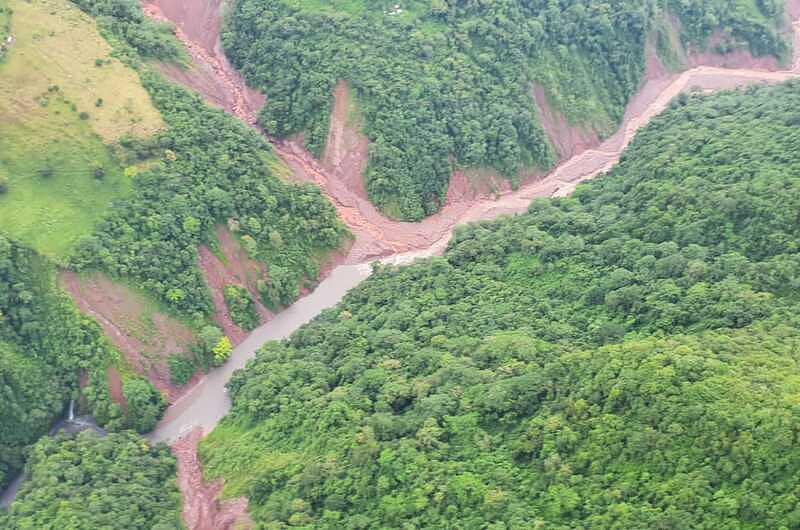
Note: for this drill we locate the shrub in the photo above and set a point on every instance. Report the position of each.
(241, 307)
(181, 369)
(145, 404)
(222, 351)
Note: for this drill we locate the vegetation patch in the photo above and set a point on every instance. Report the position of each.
(58, 112)
(44, 344)
(241, 307)
(5, 30)
(87, 481)
(212, 170)
(552, 368)
(144, 331)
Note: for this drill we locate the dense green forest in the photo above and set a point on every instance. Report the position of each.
(449, 81)
(623, 358)
(89, 482)
(210, 169)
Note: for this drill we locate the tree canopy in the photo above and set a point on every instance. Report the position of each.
(44, 345)
(87, 481)
(623, 358)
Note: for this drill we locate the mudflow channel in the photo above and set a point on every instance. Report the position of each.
(197, 24)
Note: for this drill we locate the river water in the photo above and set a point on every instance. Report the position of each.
(208, 402)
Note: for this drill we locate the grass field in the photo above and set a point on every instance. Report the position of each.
(63, 100)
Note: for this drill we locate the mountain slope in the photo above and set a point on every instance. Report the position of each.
(624, 358)
(448, 83)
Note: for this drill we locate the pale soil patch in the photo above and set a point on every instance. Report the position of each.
(346, 149)
(202, 509)
(738, 58)
(115, 389)
(568, 140)
(236, 269)
(144, 336)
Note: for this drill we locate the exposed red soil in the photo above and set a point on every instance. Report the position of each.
(237, 269)
(793, 12)
(146, 340)
(467, 185)
(197, 26)
(737, 58)
(568, 140)
(201, 508)
(346, 149)
(115, 389)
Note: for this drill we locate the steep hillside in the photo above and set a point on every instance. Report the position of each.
(46, 346)
(118, 481)
(106, 168)
(624, 358)
(448, 83)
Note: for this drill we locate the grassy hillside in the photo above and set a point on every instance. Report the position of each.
(80, 482)
(446, 82)
(624, 358)
(63, 100)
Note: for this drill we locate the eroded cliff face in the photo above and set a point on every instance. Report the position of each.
(235, 268)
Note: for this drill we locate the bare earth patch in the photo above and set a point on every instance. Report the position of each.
(236, 269)
(115, 389)
(145, 337)
(201, 508)
(568, 140)
(346, 149)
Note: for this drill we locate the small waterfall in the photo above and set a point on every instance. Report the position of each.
(71, 410)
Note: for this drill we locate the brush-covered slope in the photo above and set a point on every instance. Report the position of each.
(104, 166)
(205, 169)
(449, 82)
(624, 358)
